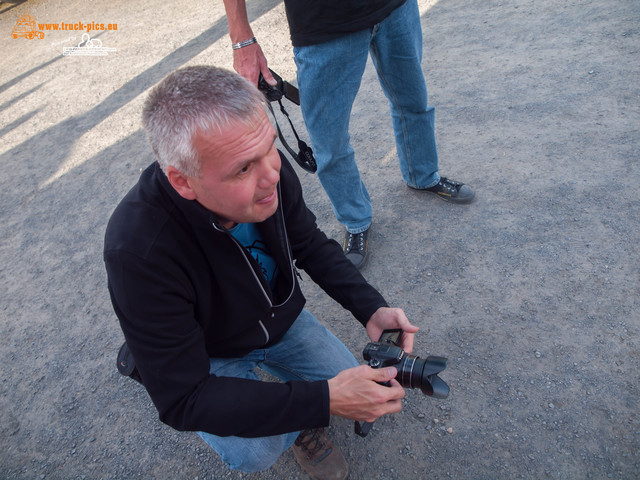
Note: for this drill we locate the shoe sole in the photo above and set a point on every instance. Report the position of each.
(449, 199)
(444, 197)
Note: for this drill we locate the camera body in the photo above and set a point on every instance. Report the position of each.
(413, 371)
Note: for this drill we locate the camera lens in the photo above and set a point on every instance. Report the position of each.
(415, 372)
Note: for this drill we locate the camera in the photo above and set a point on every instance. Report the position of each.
(281, 89)
(413, 372)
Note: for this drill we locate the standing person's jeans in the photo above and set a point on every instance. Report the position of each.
(307, 352)
(329, 76)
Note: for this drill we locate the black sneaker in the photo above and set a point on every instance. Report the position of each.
(450, 191)
(355, 247)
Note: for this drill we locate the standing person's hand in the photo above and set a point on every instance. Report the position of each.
(250, 62)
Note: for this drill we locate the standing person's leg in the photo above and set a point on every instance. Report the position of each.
(329, 76)
(396, 50)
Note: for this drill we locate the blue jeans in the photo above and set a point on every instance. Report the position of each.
(307, 352)
(329, 76)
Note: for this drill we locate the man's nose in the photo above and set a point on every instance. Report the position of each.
(271, 173)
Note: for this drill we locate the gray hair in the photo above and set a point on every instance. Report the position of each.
(191, 100)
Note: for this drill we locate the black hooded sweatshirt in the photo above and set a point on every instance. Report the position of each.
(185, 290)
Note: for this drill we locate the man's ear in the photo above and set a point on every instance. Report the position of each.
(180, 182)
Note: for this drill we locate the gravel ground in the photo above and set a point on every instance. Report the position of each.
(532, 292)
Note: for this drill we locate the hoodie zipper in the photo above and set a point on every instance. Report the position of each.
(253, 272)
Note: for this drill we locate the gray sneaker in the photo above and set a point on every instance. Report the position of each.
(355, 247)
(451, 191)
(319, 457)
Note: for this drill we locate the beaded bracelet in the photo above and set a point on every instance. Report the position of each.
(246, 43)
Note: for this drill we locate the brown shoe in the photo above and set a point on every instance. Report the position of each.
(319, 457)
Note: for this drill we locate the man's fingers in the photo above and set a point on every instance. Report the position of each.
(382, 375)
(357, 393)
(407, 342)
(393, 391)
(250, 62)
(266, 73)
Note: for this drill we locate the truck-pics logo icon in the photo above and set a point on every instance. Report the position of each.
(26, 27)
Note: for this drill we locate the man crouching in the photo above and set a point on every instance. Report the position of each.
(201, 257)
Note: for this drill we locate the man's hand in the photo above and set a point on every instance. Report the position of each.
(248, 61)
(386, 318)
(354, 393)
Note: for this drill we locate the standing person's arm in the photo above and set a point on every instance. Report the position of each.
(248, 61)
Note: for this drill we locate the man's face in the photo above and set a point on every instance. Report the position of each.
(239, 172)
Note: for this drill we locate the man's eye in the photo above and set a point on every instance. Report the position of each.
(244, 169)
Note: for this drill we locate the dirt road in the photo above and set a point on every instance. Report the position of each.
(532, 292)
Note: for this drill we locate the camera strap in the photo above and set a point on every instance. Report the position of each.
(304, 157)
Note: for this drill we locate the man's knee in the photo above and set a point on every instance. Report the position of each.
(252, 463)
(249, 455)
